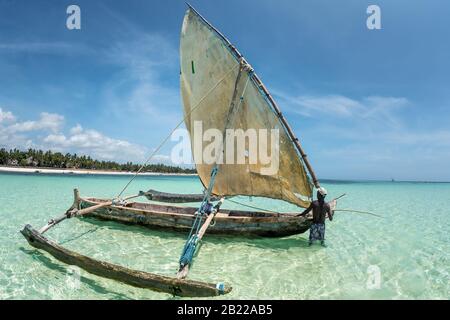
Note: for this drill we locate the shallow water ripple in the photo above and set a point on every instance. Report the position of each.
(410, 245)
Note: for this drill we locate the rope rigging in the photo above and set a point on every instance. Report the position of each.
(176, 127)
(250, 206)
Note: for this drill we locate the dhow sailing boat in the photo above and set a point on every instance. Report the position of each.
(221, 90)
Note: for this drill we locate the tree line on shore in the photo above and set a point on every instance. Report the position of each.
(49, 159)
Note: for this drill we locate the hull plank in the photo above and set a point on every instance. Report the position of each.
(141, 279)
(175, 197)
(230, 222)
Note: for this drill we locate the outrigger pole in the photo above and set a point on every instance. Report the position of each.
(269, 97)
(136, 278)
(197, 229)
(74, 212)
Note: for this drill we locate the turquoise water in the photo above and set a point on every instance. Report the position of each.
(410, 246)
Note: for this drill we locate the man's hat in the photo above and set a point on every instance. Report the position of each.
(322, 191)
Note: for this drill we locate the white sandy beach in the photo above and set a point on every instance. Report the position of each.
(85, 172)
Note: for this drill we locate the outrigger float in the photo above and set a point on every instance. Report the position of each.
(221, 90)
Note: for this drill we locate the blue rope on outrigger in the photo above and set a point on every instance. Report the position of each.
(206, 208)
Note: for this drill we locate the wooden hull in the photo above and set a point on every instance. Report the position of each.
(141, 279)
(229, 222)
(175, 197)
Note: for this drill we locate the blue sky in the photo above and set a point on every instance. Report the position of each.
(366, 104)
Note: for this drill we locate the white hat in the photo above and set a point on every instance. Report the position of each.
(322, 191)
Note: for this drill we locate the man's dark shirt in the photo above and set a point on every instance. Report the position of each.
(320, 211)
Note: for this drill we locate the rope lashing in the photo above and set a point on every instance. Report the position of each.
(250, 206)
(188, 251)
(190, 246)
(191, 243)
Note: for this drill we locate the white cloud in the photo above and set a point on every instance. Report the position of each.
(47, 121)
(47, 133)
(161, 158)
(371, 107)
(9, 138)
(439, 137)
(6, 116)
(142, 55)
(77, 129)
(141, 89)
(374, 136)
(138, 86)
(39, 47)
(96, 144)
(315, 105)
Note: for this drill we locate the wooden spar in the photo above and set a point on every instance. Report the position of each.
(183, 272)
(277, 110)
(74, 212)
(289, 131)
(155, 195)
(140, 279)
(71, 213)
(342, 195)
(358, 211)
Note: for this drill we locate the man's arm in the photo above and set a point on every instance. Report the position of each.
(306, 211)
(330, 212)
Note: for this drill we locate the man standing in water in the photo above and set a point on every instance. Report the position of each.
(320, 211)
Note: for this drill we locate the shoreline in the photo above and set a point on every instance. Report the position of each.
(56, 171)
(37, 170)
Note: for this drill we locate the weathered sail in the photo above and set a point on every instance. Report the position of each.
(209, 77)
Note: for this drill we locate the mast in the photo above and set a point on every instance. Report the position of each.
(269, 97)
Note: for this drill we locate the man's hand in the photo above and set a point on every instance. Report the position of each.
(304, 213)
(330, 215)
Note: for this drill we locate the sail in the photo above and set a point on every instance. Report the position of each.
(212, 80)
